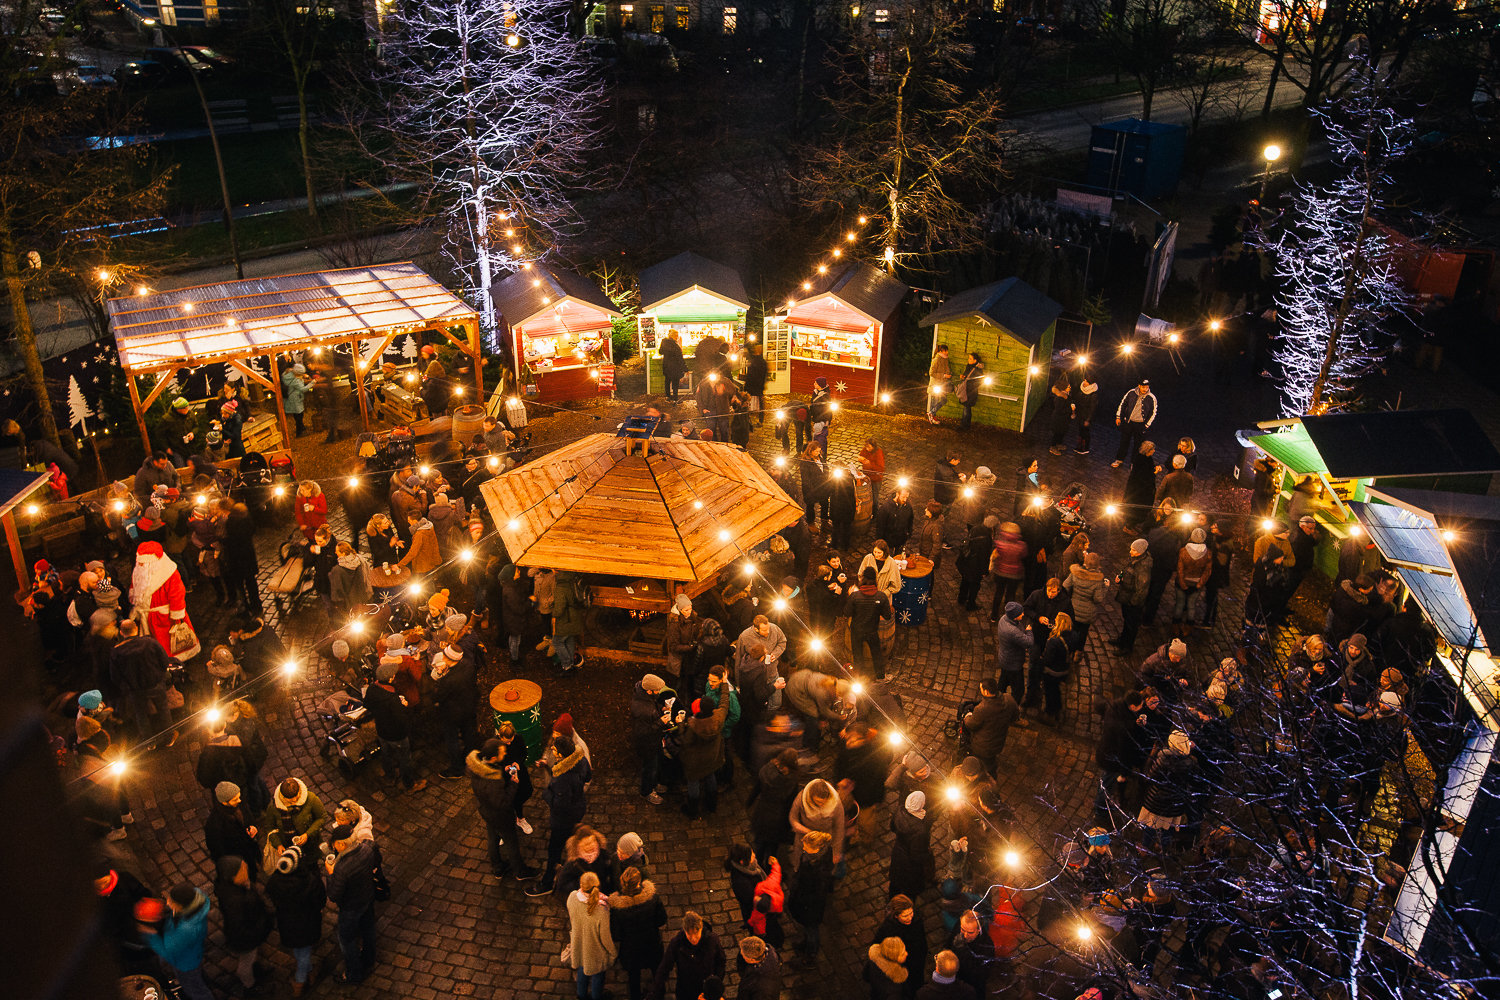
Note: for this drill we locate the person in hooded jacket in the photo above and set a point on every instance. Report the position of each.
(223, 759)
(180, 938)
(884, 971)
(912, 866)
(695, 954)
(495, 784)
(636, 917)
(295, 889)
(567, 801)
(700, 750)
(246, 917)
(1088, 586)
(295, 816)
(1195, 564)
(1013, 644)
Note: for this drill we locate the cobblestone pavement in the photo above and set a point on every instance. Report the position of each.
(450, 931)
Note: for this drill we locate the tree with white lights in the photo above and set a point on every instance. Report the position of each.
(491, 107)
(1336, 275)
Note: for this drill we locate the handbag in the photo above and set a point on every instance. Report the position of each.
(962, 391)
(175, 700)
(184, 641)
(269, 855)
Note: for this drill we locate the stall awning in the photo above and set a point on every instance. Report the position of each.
(545, 290)
(839, 299)
(242, 319)
(1292, 447)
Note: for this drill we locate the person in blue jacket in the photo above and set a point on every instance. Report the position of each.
(179, 941)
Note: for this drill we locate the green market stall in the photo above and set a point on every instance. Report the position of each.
(1011, 326)
(1348, 453)
(696, 297)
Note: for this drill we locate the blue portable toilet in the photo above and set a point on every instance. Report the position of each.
(1136, 157)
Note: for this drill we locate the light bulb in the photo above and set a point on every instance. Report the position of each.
(279, 490)
(1085, 932)
(713, 376)
(987, 380)
(1036, 501)
(187, 307)
(779, 604)
(105, 276)
(141, 290)
(857, 689)
(289, 668)
(1012, 859)
(513, 525)
(1356, 530)
(33, 509)
(353, 482)
(1186, 519)
(415, 590)
(749, 568)
(458, 390)
(1272, 153)
(937, 389)
(1033, 370)
(895, 738)
(1110, 510)
(838, 473)
(807, 286)
(465, 555)
(903, 482)
(885, 397)
(815, 644)
(968, 492)
(212, 715)
(833, 405)
(200, 500)
(492, 461)
(425, 470)
(118, 505)
(953, 793)
(356, 626)
(117, 767)
(724, 535)
(697, 504)
(849, 237)
(411, 378)
(781, 461)
(1449, 536)
(1173, 338)
(1126, 348)
(1267, 524)
(1215, 326)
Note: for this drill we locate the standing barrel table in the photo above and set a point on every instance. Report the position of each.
(910, 602)
(467, 421)
(519, 702)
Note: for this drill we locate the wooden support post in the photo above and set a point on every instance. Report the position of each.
(13, 542)
(358, 382)
(140, 412)
(476, 355)
(286, 433)
(156, 390)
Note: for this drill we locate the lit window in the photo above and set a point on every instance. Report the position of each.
(210, 11)
(658, 19)
(168, 13)
(682, 18)
(627, 13)
(731, 19)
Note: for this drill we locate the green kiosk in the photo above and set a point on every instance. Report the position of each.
(696, 297)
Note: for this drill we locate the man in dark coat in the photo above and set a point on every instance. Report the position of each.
(138, 669)
(1013, 642)
(771, 802)
(296, 891)
(894, 520)
(989, 723)
(672, 365)
(1042, 607)
(495, 785)
(351, 887)
(455, 691)
(567, 800)
(945, 984)
(695, 953)
(760, 970)
(228, 829)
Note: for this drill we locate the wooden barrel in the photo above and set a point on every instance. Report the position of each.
(910, 602)
(467, 421)
(519, 702)
(864, 505)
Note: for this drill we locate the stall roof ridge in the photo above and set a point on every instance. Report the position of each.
(1395, 443)
(518, 297)
(230, 320)
(863, 286)
(1011, 304)
(660, 282)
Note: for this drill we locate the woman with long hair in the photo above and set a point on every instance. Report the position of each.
(385, 547)
(591, 946)
(1055, 664)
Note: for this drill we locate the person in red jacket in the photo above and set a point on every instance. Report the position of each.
(312, 508)
(765, 911)
(157, 592)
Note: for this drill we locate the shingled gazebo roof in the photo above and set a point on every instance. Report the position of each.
(591, 508)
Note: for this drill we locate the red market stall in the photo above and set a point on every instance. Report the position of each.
(841, 326)
(558, 326)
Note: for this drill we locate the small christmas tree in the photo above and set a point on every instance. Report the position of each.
(79, 410)
(409, 348)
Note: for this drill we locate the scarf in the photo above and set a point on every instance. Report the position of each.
(352, 561)
(814, 812)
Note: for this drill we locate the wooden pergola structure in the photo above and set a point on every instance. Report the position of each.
(678, 512)
(233, 321)
(16, 487)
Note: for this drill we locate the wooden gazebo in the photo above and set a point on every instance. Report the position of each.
(233, 321)
(673, 518)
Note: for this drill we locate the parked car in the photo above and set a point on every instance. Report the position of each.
(179, 62)
(77, 77)
(213, 57)
(142, 73)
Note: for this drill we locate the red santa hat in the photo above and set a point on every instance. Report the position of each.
(152, 549)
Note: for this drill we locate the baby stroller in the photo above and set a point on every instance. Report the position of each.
(253, 483)
(1069, 507)
(224, 674)
(294, 580)
(350, 730)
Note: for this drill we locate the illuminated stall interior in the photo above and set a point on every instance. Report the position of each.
(558, 324)
(696, 297)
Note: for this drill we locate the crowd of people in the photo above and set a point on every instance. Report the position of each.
(758, 675)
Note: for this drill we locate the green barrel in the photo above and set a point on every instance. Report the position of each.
(519, 702)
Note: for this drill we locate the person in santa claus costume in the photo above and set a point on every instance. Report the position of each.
(160, 602)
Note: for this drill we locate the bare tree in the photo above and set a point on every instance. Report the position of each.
(907, 135)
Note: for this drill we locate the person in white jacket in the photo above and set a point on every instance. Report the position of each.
(591, 947)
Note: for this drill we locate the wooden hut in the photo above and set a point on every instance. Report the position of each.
(558, 324)
(642, 524)
(1010, 325)
(696, 297)
(841, 326)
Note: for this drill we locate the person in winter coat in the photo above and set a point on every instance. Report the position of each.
(1169, 791)
(1268, 582)
(1007, 565)
(384, 544)
(694, 954)
(295, 816)
(745, 874)
(673, 367)
(1054, 663)
(228, 830)
(424, 556)
(1140, 485)
(1088, 586)
(455, 694)
(768, 902)
(295, 889)
(179, 940)
(1085, 402)
(1013, 643)
(1167, 671)
(903, 921)
(495, 785)
(1177, 485)
(895, 519)
(647, 727)
(1195, 564)
(1042, 608)
(567, 622)
(841, 505)
(819, 700)
(515, 607)
(811, 885)
(567, 802)
(771, 803)
(406, 500)
(311, 508)
(1353, 604)
(817, 808)
(974, 951)
(700, 750)
(591, 945)
(990, 721)
(885, 969)
(1131, 727)
(584, 852)
(636, 917)
(351, 887)
(717, 689)
(912, 867)
(223, 759)
(869, 607)
(760, 970)
(1131, 586)
(245, 916)
(815, 485)
(348, 580)
(973, 561)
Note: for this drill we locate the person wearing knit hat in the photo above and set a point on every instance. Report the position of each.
(1139, 547)
(91, 701)
(1169, 791)
(226, 792)
(630, 852)
(652, 684)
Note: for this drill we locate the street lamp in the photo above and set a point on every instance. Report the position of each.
(1272, 153)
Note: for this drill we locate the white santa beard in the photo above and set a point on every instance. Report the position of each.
(149, 574)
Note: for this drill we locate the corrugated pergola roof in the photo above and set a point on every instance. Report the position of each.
(590, 508)
(242, 319)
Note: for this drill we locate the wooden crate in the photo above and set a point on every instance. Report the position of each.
(400, 405)
(262, 433)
